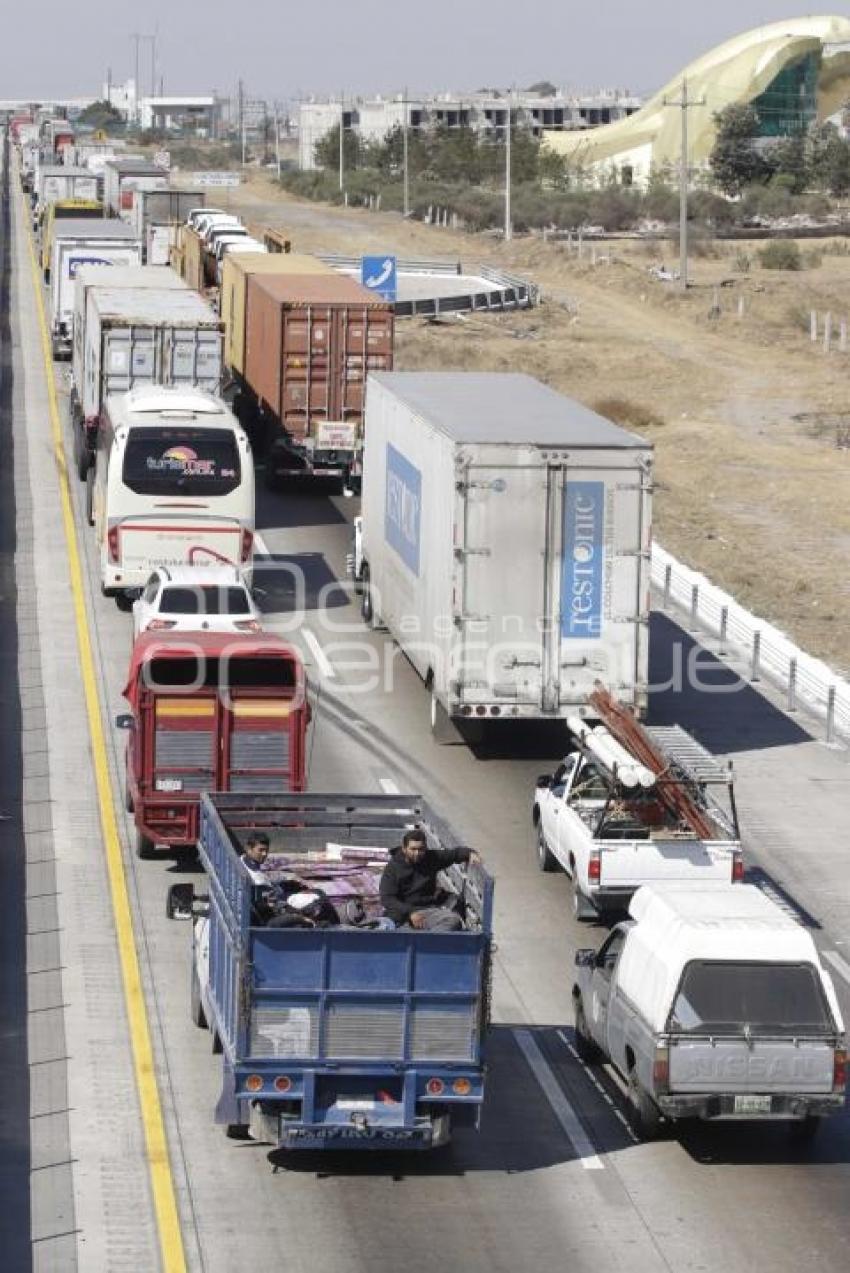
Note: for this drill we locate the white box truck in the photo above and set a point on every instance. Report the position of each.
(78, 242)
(129, 337)
(505, 543)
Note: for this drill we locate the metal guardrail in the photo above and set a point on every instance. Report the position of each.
(508, 290)
(769, 654)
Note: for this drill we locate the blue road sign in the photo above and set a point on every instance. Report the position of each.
(380, 275)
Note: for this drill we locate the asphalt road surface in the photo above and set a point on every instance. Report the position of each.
(555, 1178)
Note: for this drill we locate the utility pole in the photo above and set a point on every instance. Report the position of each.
(341, 141)
(135, 37)
(277, 140)
(406, 187)
(508, 223)
(684, 104)
(241, 118)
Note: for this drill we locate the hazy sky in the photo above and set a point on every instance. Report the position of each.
(285, 49)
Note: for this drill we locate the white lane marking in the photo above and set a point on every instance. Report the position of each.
(260, 545)
(840, 965)
(606, 1096)
(563, 1110)
(322, 661)
(388, 787)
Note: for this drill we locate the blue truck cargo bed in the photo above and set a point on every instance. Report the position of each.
(341, 1036)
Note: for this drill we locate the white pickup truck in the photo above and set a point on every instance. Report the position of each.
(611, 838)
(713, 1003)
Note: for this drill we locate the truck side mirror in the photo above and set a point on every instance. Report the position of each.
(124, 721)
(544, 780)
(586, 957)
(179, 901)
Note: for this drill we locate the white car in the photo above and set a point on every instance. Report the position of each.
(194, 215)
(235, 243)
(196, 599)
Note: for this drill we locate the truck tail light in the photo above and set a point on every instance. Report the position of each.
(661, 1069)
(112, 543)
(839, 1070)
(254, 1083)
(435, 1087)
(282, 1083)
(594, 866)
(737, 867)
(161, 625)
(247, 544)
(247, 625)
(461, 1087)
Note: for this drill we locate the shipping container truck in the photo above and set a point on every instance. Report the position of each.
(121, 177)
(310, 342)
(234, 302)
(63, 210)
(505, 542)
(346, 1036)
(59, 181)
(77, 243)
(154, 331)
(166, 208)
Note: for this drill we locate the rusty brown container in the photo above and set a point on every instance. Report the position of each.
(193, 258)
(311, 341)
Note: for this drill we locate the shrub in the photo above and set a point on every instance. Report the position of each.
(742, 262)
(782, 254)
(631, 415)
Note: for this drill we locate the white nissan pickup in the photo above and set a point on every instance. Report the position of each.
(614, 827)
(713, 1003)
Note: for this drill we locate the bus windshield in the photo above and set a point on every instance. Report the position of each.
(181, 461)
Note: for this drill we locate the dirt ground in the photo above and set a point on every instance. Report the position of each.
(750, 420)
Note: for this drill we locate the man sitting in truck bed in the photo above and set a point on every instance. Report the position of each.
(410, 893)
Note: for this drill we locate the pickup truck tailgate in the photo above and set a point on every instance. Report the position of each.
(751, 1065)
(636, 862)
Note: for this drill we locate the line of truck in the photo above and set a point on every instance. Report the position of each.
(504, 541)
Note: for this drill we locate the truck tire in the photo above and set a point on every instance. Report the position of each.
(90, 497)
(237, 1131)
(646, 1116)
(585, 1047)
(145, 848)
(367, 611)
(128, 799)
(196, 1008)
(583, 908)
(546, 860)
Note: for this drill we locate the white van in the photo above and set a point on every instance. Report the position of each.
(172, 485)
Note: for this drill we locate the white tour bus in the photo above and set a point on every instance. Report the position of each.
(173, 485)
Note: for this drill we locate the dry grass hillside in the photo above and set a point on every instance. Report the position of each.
(751, 422)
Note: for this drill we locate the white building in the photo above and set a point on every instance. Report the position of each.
(179, 114)
(122, 97)
(484, 113)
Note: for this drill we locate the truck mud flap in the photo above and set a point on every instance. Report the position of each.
(345, 1136)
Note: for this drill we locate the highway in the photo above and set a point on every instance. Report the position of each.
(555, 1178)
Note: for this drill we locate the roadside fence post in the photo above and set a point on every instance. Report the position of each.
(842, 336)
(792, 685)
(813, 326)
(668, 580)
(694, 605)
(830, 714)
(724, 624)
(754, 669)
(827, 332)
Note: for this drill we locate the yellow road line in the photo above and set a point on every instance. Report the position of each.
(162, 1181)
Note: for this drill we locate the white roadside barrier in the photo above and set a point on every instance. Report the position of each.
(807, 681)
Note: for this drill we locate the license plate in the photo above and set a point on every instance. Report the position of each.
(752, 1105)
(169, 784)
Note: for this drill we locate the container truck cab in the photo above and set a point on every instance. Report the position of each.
(713, 1004)
(209, 712)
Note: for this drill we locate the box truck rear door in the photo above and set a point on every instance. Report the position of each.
(603, 580)
(503, 581)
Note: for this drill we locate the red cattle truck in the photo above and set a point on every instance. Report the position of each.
(209, 712)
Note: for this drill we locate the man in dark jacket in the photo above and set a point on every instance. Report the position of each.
(409, 890)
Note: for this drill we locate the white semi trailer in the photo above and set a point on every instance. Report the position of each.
(505, 541)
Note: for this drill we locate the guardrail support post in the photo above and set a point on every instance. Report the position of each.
(754, 669)
(830, 714)
(724, 624)
(792, 685)
(694, 604)
(813, 326)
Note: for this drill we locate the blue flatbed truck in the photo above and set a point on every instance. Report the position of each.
(339, 1037)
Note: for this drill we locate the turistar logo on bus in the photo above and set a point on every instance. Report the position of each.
(182, 459)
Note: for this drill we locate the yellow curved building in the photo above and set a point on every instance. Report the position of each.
(792, 72)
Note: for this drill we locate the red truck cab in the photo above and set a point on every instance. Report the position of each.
(209, 712)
